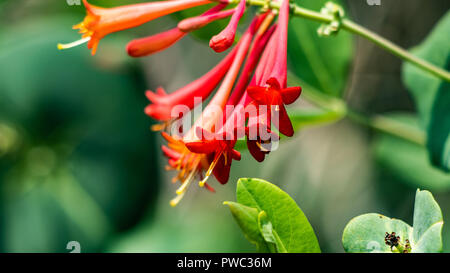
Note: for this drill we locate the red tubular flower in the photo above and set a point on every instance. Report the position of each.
(100, 22)
(259, 44)
(219, 145)
(162, 103)
(161, 41)
(189, 163)
(194, 23)
(208, 147)
(155, 43)
(225, 38)
(210, 114)
(272, 71)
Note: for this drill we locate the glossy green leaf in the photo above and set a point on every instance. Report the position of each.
(366, 233)
(322, 62)
(287, 219)
(432, 95)
(408, 161)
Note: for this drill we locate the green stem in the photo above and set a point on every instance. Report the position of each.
(359, 30)
(390, 126)
(395, 49)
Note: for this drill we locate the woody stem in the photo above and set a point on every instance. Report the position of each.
(354, 28)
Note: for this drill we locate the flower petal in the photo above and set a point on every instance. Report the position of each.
(155, 43)
(225, 38)
(291, 94)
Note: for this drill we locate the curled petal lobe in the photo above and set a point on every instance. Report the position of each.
(258, 94)
(291, 94)
(255, 151)
(283, 123)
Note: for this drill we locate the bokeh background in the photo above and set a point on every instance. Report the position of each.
(79, 163)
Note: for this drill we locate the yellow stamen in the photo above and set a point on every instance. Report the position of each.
(225, 157)
(158, 127)
(177, 199)
(74, 44)
(261, 147)
(161, 126)
(210, 169)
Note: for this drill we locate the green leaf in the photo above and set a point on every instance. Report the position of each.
(366, 233)
(287, 219)
(431, 94)
(247, 219)
(269, 234)
(322, 62)
(408, 161)
(427, 223)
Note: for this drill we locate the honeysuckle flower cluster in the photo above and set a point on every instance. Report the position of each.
(250, 84)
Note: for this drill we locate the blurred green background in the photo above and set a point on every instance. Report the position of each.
(79, 163)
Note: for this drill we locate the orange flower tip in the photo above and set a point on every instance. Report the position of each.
(133, 51)
(73, 44)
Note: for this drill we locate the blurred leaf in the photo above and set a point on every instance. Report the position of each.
(322, 62)
(367, 233)
(409, 161)
(289, 226)
(33, 223)
(98, 153)
(432, 95)
(312, 117)
(427, 224)
(198, 225)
